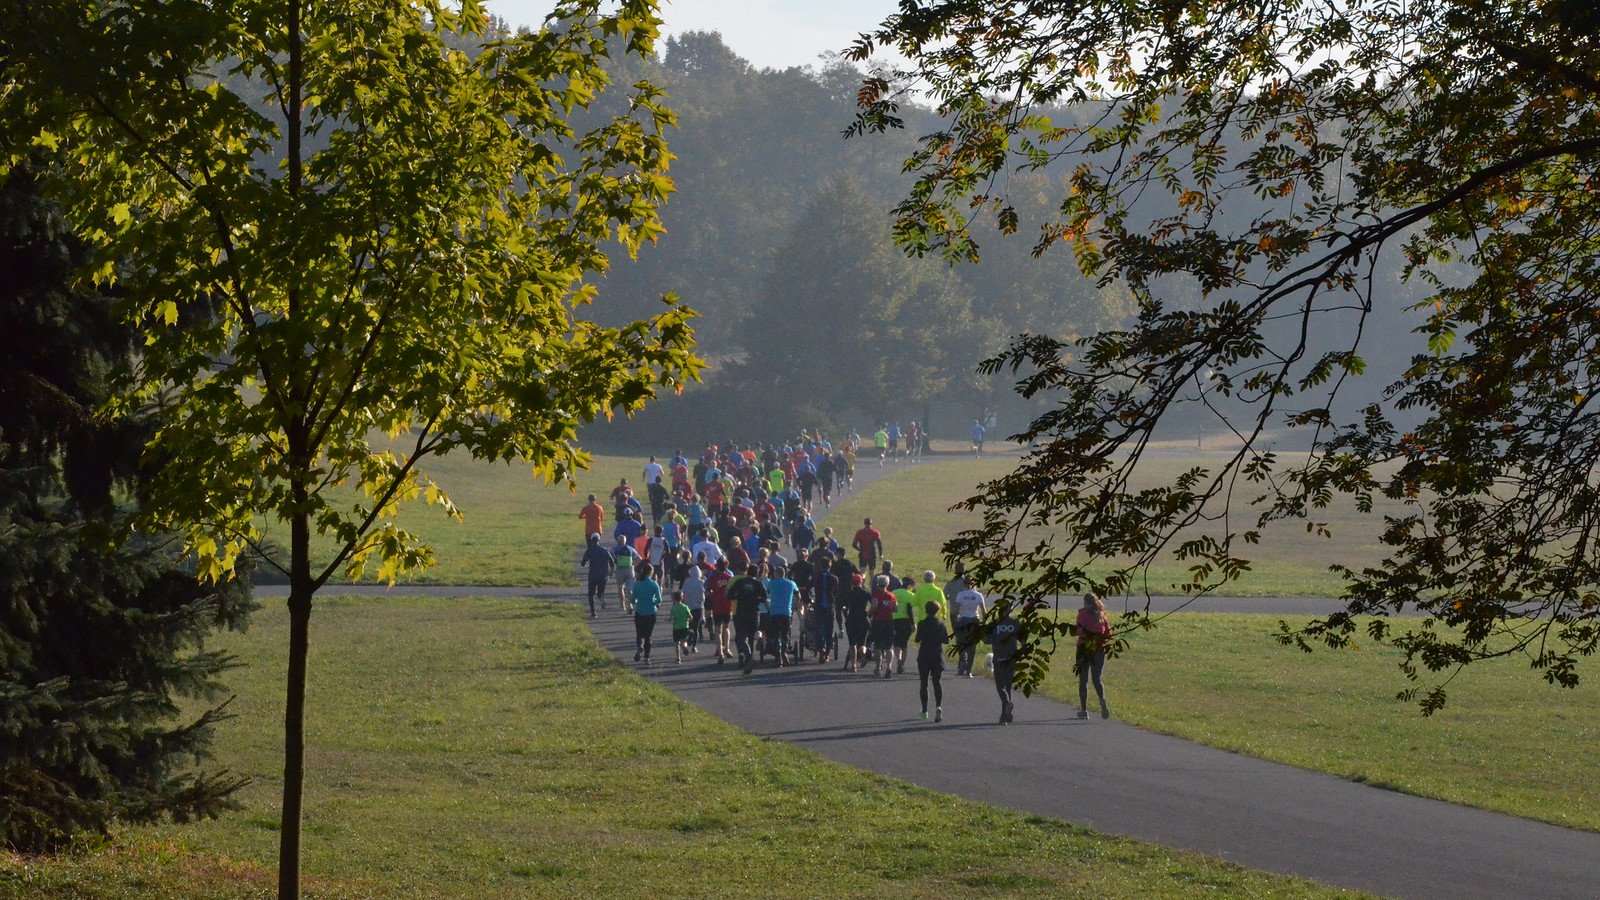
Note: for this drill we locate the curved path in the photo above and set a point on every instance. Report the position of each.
(1122, 780)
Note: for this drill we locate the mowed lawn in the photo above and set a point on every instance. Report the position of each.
(911, 507)
(1505, 741)
(491, 748)
(515, 529)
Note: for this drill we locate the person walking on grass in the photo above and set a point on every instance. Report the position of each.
(1003, 638)
(966, 610)
(680, 627)
(931, 638)
(882, 633)
(646, 602)
(599, 562)
(1094, 632)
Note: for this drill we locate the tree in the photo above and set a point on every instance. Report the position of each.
(1264, 159)
(845, 317)
(99, 636)
(413, 276)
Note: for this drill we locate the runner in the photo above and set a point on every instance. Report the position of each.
(827, 474)
(824, 599)
(1094, 631)
(749, 596)
(931, 638)
(1003, 638)
(881, 635)
(706, 548)
(966, 610)
(868, 543)
(600, 563)
(905, 621)
(855, 604)
(620, 495)
(880, 442)
(659, 498)
(977, 437)
(655, 550)
(781, 592)
(693, 587)
(680, 627)
(894, 441)
(849, 466)
(626, 558)
(652, 471)
(928, 592)
(594, 519)
(721, 607)
(646, 601)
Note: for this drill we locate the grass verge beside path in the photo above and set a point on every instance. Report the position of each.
(515, 530)
(1506, 741)
(491, 748)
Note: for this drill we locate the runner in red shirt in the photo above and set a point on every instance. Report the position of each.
(869, 543)
(881, 632)
(594, 519)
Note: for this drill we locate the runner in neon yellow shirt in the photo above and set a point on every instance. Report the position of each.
(775, 480)
(881, 441)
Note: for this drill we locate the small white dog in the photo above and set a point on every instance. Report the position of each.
(988, 662)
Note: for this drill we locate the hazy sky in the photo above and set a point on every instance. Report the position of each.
(769, 33)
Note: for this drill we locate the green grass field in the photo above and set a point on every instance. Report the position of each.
(911, 507)
(1506, 741)
(510, 756)
(515, 529)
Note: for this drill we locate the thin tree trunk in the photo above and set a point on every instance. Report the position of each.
(301, 586)
(294, 715)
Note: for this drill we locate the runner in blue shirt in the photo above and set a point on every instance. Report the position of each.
(977, 438)
(780, 602)
(600, 563)
(646, 600)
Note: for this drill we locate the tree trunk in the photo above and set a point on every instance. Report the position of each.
(301, 586)
(294, 709)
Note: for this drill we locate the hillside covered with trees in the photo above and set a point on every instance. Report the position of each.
(779, 236)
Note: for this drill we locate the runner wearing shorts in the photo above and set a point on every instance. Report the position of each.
(881, 633)
(868, 543)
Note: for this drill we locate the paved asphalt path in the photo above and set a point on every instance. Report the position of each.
(1120, 779)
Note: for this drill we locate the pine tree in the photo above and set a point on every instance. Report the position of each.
(101, 631)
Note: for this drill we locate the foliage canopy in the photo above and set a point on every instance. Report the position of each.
(1266, 157)
(335, 220)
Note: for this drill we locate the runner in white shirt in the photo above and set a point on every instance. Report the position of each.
(712, 552)
(652, 471)
(966, 608)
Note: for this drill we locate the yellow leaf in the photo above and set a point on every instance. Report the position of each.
(120, 213)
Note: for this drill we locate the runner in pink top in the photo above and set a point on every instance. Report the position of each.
(1094, 632)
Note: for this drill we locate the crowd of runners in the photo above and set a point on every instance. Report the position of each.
(733, 556)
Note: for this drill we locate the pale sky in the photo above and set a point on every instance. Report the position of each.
(769, 33)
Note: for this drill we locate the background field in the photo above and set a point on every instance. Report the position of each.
(510, 756)
(912, 506)
(1507, 740)
(515, 528)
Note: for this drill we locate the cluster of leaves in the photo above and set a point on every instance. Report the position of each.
(416, 274)
(1460, 136)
